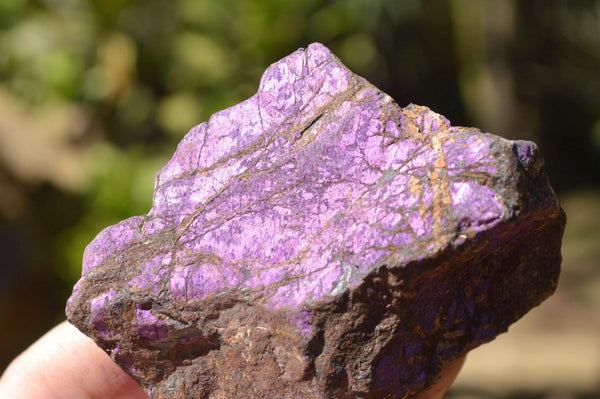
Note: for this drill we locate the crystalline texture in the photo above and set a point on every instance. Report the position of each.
(319, 241)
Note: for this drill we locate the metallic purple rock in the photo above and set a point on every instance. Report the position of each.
(319, 241)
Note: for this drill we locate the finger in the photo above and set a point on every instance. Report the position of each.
(448, 376)
(66, 364)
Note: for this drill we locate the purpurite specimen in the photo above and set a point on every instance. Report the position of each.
(319, 241)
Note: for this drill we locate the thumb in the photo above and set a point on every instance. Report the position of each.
(65, 364)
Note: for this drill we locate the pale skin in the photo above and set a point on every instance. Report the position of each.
(65, 364)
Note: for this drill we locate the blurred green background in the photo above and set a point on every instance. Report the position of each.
(95, 95)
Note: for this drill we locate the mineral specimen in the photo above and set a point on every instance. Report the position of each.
(319, 241)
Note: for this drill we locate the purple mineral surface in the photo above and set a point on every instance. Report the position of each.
(319, 241)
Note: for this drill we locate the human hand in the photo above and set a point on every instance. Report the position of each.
(65, 364)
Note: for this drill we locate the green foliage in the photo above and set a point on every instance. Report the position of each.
(121, 187)
(113, 85)
(139, 74)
